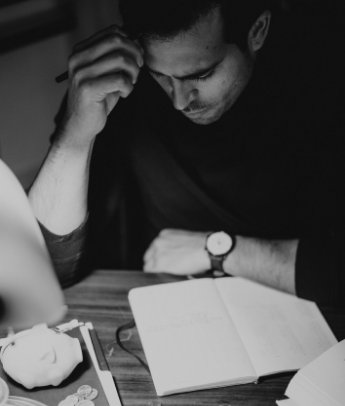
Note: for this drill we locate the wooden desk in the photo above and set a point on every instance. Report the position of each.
(102, 299)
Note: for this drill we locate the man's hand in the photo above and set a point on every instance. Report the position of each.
(182, 252)
(177, 252)
(102, 69)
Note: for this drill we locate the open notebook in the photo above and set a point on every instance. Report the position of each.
(206, 333)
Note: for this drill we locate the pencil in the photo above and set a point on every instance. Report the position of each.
(62, 77)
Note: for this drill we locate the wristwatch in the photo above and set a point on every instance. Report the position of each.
(219, 245)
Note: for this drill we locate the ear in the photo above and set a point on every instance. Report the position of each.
(259, 31)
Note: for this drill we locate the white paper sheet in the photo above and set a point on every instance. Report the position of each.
(280, 331)
(286, 402)
(189, 340)
(322, 382)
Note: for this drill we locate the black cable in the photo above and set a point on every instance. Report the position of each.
(125, 327)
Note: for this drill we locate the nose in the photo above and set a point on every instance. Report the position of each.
(182, 93)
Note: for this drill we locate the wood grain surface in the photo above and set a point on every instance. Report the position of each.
(102, 299)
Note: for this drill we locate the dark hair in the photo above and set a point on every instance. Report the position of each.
(164, 19)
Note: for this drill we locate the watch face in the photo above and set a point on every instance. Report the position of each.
(219, 243)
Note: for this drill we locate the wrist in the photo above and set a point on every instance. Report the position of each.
(71, 142)
(233, 263)
(271, 262)
(203, 260)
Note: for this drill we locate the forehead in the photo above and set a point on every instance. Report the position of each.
(202, 45)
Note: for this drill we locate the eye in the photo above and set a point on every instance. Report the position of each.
(155, 75)
(208, 75)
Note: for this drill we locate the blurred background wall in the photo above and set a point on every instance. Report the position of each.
(36, 38)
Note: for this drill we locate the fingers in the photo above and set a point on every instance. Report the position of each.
(149, 258)
(111, 63)
(88, 42)
(156, 252)
(108, 62)
(110, 83)
(179, 252)
(148, 254)
(110, 44)
(102, 69)
(109, 41)
(150, 266)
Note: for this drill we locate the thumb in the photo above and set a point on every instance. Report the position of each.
(111, 101)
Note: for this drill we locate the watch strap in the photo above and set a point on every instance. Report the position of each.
(217, 262)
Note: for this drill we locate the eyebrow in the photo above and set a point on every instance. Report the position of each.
(191, 76)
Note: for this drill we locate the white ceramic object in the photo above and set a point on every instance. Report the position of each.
(40, 357)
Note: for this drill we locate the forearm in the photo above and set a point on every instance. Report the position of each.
(183, 252)
(58, 195)
(268, 262)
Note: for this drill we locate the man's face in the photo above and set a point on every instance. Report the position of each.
(202, 75)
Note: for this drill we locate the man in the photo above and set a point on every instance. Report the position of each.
(234, 144)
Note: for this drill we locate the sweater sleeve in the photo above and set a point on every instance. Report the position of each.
(67, 253)
(320, 269)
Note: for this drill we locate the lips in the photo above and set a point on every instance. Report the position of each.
(194, 112)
